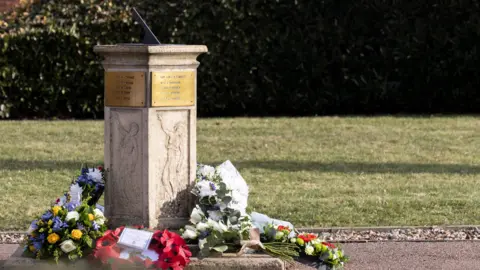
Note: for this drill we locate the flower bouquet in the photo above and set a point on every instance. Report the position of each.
(219, 220)
(167, 250)
(65, 231)
(327, 254)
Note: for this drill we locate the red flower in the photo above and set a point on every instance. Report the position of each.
(282, 228)
(307, 237)
(57, 201)
(157, 236)
(330, 245)
(171, 248)
(100, 168)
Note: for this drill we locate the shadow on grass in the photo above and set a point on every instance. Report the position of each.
(14, 165)
(357, 167)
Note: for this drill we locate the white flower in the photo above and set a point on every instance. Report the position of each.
(207, 171)
(99, 217)
(202, 242)
(197, 215)
(293, 240)
(68, 246)
(206, 188)
(309, 250)
(30, 229)
(315, 241)
(217, 226)
(95, 175)
(190, 232)
(335, 255)
(76, 193)
(100, 207)
(72, 215)
(202, 226)
(215, 215)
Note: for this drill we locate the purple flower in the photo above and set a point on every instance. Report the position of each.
(95, 226)
(212, 186)
(80, 226)
(38, 245)
(38, 241)
(48, 215)
(204, 235)
(99, 187)
(58, 224)
(34, 225)
(71, 206)
(82, 179)
(84, 171)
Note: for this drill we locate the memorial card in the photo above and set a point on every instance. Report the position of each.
(135, 239)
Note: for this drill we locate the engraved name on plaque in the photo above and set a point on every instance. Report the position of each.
(125, 89)
(173, 88)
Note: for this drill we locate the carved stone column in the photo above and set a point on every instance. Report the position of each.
(150, 133)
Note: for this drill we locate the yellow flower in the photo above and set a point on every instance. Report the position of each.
(55, 209)
(91, 217)
(50, 222)
(76, 234)
(53, 238)
(31, 248)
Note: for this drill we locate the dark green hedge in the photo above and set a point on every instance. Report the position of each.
(266, 57)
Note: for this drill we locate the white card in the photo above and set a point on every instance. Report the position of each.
(136, 239)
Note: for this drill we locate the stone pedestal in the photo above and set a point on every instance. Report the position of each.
(150, 133)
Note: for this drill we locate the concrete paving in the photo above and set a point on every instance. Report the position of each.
(463, 255)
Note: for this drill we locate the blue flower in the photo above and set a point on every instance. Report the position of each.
(204, 234)
(99, 186)
(95, 226)
(47, 216)
(90, 181)
(58, 224)
(82, 179)
(38, 241)
(33, 225)
(84, 171)
(38, 245)
(71, 206)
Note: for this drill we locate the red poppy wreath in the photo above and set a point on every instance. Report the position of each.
(167, 250)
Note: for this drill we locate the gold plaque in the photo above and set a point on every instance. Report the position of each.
(173, 88)
(125, 89)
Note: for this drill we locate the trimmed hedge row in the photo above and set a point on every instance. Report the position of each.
(266, 58)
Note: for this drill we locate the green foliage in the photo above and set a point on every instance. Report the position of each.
(266, 58)
(47, 64)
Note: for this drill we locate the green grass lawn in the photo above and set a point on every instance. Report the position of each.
(324, 171)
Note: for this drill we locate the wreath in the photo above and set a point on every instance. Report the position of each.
(167, 250)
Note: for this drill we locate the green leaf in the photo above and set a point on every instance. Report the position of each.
(72, 256)
(221, 249)
(88, 241)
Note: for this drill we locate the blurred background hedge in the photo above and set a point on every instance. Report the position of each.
(266, 57)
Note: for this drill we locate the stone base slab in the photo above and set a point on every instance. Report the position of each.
(225, 261)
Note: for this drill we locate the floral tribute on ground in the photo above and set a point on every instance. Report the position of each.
(73, 222)
(167, 250)
(220, 223)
